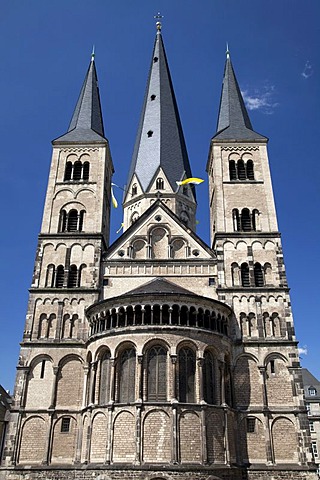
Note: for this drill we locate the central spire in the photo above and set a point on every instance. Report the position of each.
(160, 142)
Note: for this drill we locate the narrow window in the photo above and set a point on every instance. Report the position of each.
(62, 221)
(258, 275)
(127, 375)
(80, 274)
(59, 276)
(105, 368)
(68, 171)
(208, 378)
(314, 449)
(272, 366)
(43, 365)
(50, 275)
(72, 221)
(81, 217)
(65, 425)
(241, 170)
(236, 220)
(159, 184)
(211, 282)
(232, 170)
(251, 425)
(77, 171)
(155, 59)
(134, 190)
(255, 218)
(150, 133)
(187, 369)
(245, 220)
(73, 274)
(86, 170)
(157, 370)
(308, 408)
(250, 171)
(311, 426)
(312, 392)
(245, 277)
(153, 97)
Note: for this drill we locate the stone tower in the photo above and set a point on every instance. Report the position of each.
(159, 357)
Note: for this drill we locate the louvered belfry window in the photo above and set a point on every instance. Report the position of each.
(157, 378)
(187, 369)
(208, 378)
(104, 396)
(127, 376)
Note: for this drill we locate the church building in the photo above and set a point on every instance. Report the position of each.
(159, 357)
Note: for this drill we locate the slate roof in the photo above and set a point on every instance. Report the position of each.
(86, 124)
(310, 381)
(158, 285)
(233, 120)
(166, 147)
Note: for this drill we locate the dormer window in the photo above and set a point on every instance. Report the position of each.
(134, 190)
(312, 391)
(160, 184)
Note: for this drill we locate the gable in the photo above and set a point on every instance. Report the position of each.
(159, 235)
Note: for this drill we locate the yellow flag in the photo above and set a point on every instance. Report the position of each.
(113, 198)
(194, 180)
(121, 227)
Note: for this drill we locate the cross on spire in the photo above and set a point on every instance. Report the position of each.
(158, 24)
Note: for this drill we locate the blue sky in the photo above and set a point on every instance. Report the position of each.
(45, 51)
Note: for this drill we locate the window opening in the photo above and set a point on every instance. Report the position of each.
(59, 276)
(153, 97)
(155, 59)
(314, 449)
(312, 392)
(241, 170)
(127, 376)
(232, 170)
(187, 368)
(72, 221)
(134, 190)
(211, 281)
(311, 425)
(150, 133)
(245, 220)
(208, 378)
(157, 369)
(258, 275)
(65, 425)
(159, 184)
(245, 277)
(86, 169)
(272, 366)
(73, 275)
(77, 170)
(251, 425)
(250, 171)
(68, 171)
(43, 365)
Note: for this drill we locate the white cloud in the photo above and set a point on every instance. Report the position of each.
(261, 99)
(303, 350)
(308, 70)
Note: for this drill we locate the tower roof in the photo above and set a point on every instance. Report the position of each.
(233, 120)
(160, 141)
(86, 123)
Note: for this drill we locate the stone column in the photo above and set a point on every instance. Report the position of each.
(85, 385)
(93, 366)
(54, 387)
(24, 374)
(47, 449)
(59, 320)
(175, 440)
(112, 380)
(263, 373)
(226, 437)
(200, 362)
(204, 435)
(174, 375)
(140, 378)
(137, 460)
(222, 384)
(109, 436)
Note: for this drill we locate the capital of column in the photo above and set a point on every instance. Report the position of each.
(173, 359)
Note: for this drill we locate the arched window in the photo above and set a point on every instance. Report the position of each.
(72, 221)
(187, 369)
(80, 274)
(208, 378)
(50, 275)
(85, 171)
(245, 277)
(159, 184)
(245, 220)
(232, 170)
(250, 171)
(258, 275)
(73, 277)
(241, 170)
(255, 219)
(235, 274)
(62, 221)
(59, 276)
(105, 368)
(77, 171)
(157, 374)
(236, 220)
(68, 171)
(134, 190)
(127, 374)
(134, 217)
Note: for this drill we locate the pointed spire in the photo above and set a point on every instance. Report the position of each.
(160, 141)
(233, 120)
(86, 123)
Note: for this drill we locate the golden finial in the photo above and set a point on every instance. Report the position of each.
(158, 24)
(92, 54)
(228, 51)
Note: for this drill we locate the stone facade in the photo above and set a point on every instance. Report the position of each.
(158, 357)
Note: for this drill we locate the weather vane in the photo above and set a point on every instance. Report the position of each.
(158, 17)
